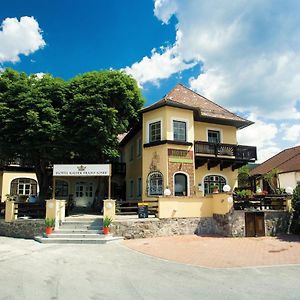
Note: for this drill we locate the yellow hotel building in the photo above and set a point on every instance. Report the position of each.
(184, 145)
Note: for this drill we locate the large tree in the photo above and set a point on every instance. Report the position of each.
(30, 121)
(47, 120)
(100, 106)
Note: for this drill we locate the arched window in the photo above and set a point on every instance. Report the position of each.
(213, 181)
(180, 184)
(61, 188)
(23, 186)
(155, 184)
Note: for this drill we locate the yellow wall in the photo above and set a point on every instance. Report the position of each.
(228, 133)
(228, 174)
(189, 207)
(154, 159)
(133, 167)
(7, 178)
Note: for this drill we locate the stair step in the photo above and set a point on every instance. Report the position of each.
(99, 240)
(77, 231)
(74, 235)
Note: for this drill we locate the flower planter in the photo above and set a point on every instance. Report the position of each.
(49, 230)
(105, 230)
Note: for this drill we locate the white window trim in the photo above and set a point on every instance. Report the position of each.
(188, 182)
(187, 129)
(137, 185)
(148, 184)
(213, 174)
(215, 129)
(162, 135)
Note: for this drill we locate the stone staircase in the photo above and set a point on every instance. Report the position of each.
(78, 231)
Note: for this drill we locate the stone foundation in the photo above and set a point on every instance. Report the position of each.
(146, 228)
(26, 229)
(277, 222)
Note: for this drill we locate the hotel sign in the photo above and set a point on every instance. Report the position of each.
(82, 170)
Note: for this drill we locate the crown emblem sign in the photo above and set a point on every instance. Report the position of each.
(81, 168)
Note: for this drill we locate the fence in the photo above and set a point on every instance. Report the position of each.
(261, 202)
(26, 210)
(131, 207)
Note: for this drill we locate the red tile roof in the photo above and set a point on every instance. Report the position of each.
(285, 161)
(183, 97)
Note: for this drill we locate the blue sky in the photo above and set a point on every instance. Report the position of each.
(244, 55)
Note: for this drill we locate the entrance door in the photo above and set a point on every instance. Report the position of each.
(84, 194)
(180, 181)
(254, 224)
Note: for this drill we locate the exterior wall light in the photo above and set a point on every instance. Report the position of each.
(226, 188)
(167, 192)
(289, 190)
(108, 205)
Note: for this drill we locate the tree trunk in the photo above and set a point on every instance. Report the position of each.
(43, 176)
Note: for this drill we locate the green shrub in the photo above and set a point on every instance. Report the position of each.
(296, 200)
(107, 221)
(49, 222)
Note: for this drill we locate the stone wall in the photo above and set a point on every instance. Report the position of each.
(145, 228)
(26, 229)
(277, 222)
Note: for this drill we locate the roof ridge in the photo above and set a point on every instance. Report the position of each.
(276, 155)
(208, 101)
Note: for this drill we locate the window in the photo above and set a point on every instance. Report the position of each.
(139, 187)
(131, 152)
(155, 184)
(130, 188)
(180, 181)
(179, 131)
(214, 136)
(61, 189)
(212, 181)
(154, 132)
(23, 186)
(139, 147)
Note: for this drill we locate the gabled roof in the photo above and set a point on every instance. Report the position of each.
(285, 161)
(204, 109)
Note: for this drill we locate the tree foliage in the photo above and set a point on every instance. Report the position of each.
(48, 120)
(100, 106)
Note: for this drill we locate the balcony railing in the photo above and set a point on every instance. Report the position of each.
(247, 153)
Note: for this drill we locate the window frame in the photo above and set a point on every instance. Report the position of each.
(213, 130)
(139, 187)
(151, 140)
(159, 188)
(179, 122)
(208, 189)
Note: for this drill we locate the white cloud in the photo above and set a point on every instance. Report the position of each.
(19, 37)
(292, 133)
(250, 51)
(262, 135)
(159, 65)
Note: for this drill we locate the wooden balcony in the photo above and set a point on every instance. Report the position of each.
(225, 155)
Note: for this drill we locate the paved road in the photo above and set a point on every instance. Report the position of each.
(34, 271)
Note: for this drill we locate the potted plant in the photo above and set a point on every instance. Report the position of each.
(49, 225)
(215, 189)
(106, 223)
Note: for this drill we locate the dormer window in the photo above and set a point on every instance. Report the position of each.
(179, 131)
(214, 136)
(155, 131)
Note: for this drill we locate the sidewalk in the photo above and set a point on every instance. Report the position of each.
(221, 252)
